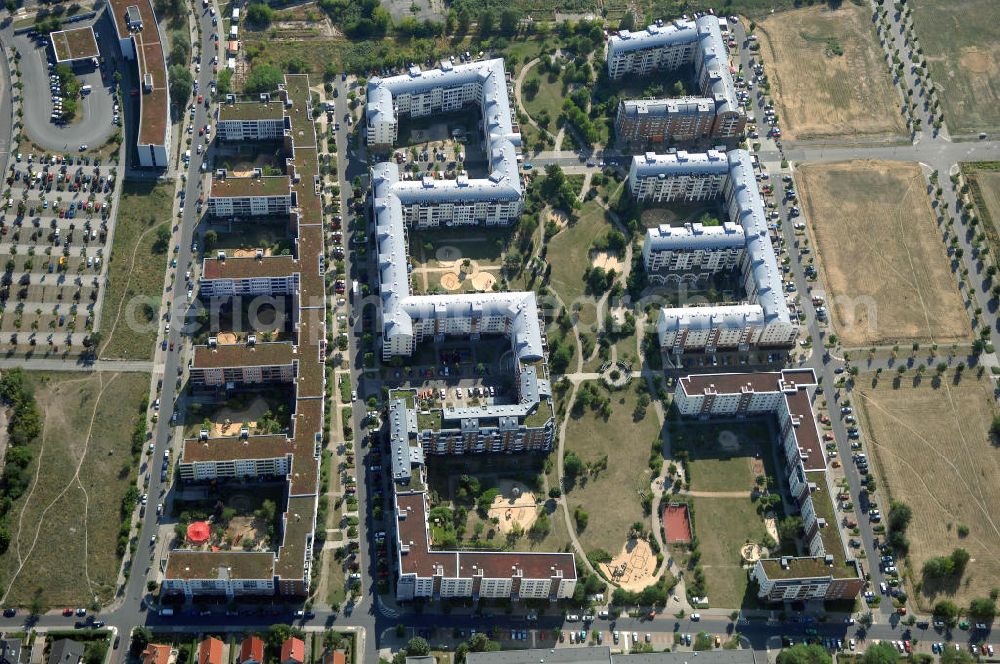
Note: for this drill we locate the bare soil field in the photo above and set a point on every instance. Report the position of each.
(884, 265)
(819, 93)
(933, 451)
(962, 43)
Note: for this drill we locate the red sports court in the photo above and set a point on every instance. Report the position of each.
(676, 524)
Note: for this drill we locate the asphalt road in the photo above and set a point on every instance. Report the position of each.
(368, 614)
(95, 109)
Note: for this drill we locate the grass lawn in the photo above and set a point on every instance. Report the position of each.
(626, 443)
(336, 579)
(962, 45)
(266, 234)
(135, 272)
(722, 526)
(569, 255)
(549, 98)
(714, 464)
(65, 527)
(485, 246)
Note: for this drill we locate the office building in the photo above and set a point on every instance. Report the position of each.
(139, 40)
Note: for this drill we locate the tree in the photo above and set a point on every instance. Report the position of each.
(946, 610)
(572, 464)
(180, 48)
(418, 647)
(486, 22)
(260, 15)
(210, 239)
(880, 653)
(181, 83)
(952, 656)
(982, 608)
(263, 78)
(530, 88)
(804, 654)
(509, 19)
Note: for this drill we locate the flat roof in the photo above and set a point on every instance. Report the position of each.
(267, 354)
(220, 565)
(153, 105)
(252, 110)
(304, 441)
(74, 44)
(249, 267)
(733, 383)
(267, 185)
(413, 533)
(298, 525)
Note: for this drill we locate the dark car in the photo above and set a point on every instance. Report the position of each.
(9, 612)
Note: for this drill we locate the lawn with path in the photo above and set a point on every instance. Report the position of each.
(723, 526)
(129, 318)
(64, 529)
(612, 497)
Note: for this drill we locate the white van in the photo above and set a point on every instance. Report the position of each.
(86, 90)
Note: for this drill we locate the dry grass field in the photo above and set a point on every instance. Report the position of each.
(64, 529)
(884, 265)
(932, 448)
(819, 94)
(984, 178)
(962, 43)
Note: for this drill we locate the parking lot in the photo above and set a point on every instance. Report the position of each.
(97, 107)
(53, 234)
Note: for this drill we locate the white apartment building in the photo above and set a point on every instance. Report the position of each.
(717, 113)
(262, 120)
(764, 319)
(251, 196)
(689, 254)
(678, 176)
(224, 277)
(659, 46)
(229, 573)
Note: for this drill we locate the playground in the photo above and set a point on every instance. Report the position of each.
(514, 505)
(634, 568)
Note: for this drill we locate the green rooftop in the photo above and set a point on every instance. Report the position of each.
(538, 417)
(252, 110)
(429, 420)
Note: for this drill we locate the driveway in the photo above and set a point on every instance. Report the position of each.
(95, 109)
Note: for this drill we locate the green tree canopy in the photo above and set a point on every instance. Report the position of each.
(263, 78)
(880, 653)
(804, 654)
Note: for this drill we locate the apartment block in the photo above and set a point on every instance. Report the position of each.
(657, 121)
(425, 573)
(691, 253)
(827, 571)
(763, 320)
(255, 121)
(678, 176)
(714, 112)
(251, 196)
(225, 369)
